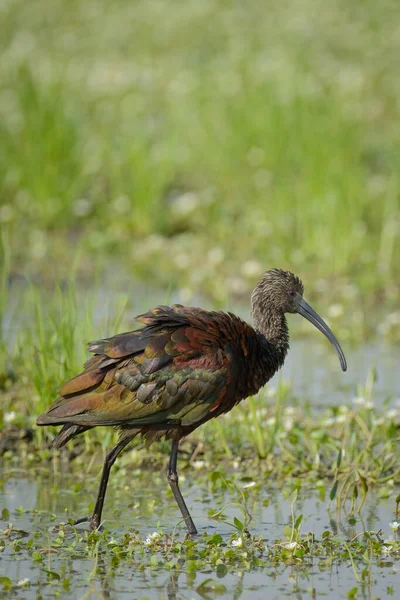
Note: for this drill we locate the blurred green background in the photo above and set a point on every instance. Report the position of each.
(196, 144)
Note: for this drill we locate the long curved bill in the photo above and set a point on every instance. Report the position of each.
(305, 310)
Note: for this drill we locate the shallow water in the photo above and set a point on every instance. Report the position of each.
(146, 505)
(314, 372)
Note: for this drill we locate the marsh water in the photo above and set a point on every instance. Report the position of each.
(145, 506)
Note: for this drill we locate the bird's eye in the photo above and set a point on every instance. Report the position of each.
(292, 293)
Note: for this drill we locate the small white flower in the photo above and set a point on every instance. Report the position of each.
(362, 402)
(392, 413)
(152, 537)
(291, 545)
(288, 423)
(394, 525)
(261, 413)
(249, 485)
(359, 401)
(198, 464)
(389, 542)
(237, 543)
(9, 417)
(23, 582)
(155, 535)
(185, 203)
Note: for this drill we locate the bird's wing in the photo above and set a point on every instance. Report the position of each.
(173, 371)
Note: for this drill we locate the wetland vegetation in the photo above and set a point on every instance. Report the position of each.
(158, 151)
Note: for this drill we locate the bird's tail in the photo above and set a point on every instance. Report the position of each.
(66, 433)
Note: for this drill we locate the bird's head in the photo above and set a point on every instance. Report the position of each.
(279, 292)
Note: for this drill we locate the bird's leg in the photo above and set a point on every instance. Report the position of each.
(95, 518)
(173, 482)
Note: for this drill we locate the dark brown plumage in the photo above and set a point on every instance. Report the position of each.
(183, 367)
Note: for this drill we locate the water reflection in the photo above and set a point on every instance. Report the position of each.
(106, 577)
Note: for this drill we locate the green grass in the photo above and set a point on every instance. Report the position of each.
(4, 304)
(200, 144)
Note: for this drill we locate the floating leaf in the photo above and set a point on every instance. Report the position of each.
(53, 575)
(210, 585)
(6, 582)
(36, 555)
(191, 565)
(153, 560)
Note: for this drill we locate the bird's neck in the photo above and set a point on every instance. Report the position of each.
(266, 351)
(273, 327)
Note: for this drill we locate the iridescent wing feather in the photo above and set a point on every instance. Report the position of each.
(173, 371)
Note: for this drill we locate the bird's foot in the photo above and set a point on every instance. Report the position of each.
(93, 523)
(191, 529)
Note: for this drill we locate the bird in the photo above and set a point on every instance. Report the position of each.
(181, 368)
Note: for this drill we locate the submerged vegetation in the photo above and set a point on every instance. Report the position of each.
(208, 562)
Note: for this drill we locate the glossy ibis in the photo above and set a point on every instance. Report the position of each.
(184, 367)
